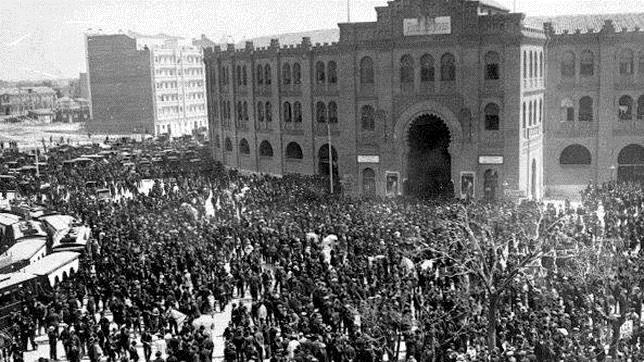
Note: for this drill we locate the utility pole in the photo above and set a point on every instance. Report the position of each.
(37, 167)
(328, 127)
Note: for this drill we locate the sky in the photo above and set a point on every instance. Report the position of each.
(44, 39)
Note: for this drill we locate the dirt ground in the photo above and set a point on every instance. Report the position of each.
(30, 135)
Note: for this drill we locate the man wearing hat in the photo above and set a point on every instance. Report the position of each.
(158, 357)
(134, 354)
(95, 351)
(52, 335)
(146, 339)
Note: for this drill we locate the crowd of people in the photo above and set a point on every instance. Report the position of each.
(318, 277)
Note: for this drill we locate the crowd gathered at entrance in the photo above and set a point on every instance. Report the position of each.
(319, 277)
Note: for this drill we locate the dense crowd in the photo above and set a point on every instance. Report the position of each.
(319, 277)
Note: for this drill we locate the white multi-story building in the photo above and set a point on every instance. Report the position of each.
(178, 85)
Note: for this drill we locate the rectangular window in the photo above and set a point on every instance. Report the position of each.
(570, 114)
(492, 72)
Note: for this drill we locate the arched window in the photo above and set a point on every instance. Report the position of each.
(586, 109)
(427, 70)
(492, 117)
(492, 61)
(294, 151)
(286, 74)
(320, 73)
(534, 113)
(333, 72)
(288, 114)
(244, 148)
(366, 71)
(245, 111)
(265, 149)
(367, 118)
(245, 75)
(297, 112)
(260, 111)
(269, 112)
(568, 65)
(240, 112)
(267, 74)
(640, 107)
(228, 144)
(540, 111)
(530, 72)
(575, 155)
(239, 75)
(369, 182)
(297, 73)
(587, 67)
(541, 64)
(530, 114)
(406, 69)
(320, 112)
(333, 112)
(631, 155)
(448, 68)
(625, 108)
(525, 64)
(524, 115)
(260, 75)
(626, 62)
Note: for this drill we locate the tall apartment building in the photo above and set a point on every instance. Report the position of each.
(146, 84)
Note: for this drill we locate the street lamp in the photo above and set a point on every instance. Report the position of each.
(328, 127)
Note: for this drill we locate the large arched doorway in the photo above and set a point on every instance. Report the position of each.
(429, 171)
(323, 162)
(631, 164)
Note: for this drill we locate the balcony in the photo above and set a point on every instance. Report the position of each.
(293, 128)
(322, 130)
(427, 87)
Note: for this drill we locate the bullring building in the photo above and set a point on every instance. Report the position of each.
(453, 97)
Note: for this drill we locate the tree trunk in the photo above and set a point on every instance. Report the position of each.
(617, 334)
(617, 325)
(491, 323)
(398, 337)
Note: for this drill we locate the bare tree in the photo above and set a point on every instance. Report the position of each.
(496, 248)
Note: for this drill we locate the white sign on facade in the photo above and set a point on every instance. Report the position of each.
(490, 160)
(368, 159)
(427, 26)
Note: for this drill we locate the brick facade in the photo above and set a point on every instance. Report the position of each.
(499, 66)
(597, 66)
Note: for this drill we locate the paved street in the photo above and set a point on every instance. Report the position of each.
(220, 322)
